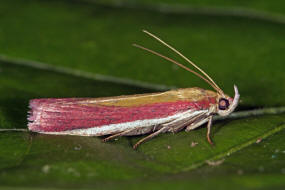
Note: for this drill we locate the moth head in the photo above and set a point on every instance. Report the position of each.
(226, 104)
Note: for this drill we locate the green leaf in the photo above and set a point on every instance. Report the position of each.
(87, 53)
(253, 7)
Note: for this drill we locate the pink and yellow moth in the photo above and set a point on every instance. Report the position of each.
(152, 114)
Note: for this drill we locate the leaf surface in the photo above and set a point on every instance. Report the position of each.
(86, 50)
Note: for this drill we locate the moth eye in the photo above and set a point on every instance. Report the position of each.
(223, 104)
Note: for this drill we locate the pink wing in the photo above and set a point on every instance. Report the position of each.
(55, 115)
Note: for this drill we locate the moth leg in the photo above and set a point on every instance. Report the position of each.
(179, 126)
(186, 122)
(162, 130)
(209, 130)
(201, 122)
(196, 124)
(118, 134)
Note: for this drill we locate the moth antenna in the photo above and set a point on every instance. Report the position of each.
(185, 58)
(179, 64)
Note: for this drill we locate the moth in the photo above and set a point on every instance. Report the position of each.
(152, 114)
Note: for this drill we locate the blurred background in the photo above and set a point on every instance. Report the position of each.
(83, 48)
